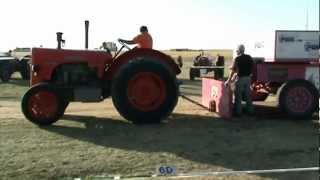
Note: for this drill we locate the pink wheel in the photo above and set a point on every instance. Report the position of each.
(298, 98)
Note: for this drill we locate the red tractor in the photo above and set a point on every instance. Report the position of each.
(141, 82)
(202, 65)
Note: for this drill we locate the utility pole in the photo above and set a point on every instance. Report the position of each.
(307, 19)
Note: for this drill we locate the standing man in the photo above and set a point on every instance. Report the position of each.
(241, 70)
(143, 40)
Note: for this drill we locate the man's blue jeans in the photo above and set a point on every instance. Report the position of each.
(242, 91)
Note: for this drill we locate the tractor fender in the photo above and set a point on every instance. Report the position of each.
(140, 52)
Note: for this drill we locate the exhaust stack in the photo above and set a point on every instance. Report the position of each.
(86, 23)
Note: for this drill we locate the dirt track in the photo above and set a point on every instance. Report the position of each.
(93, 139)
(105, 109)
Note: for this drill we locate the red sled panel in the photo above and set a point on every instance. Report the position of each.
(216, 97)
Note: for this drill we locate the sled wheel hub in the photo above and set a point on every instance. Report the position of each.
(299, 99)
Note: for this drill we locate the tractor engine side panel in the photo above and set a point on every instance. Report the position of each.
(74, 75)
(79, 82)
(46, 61)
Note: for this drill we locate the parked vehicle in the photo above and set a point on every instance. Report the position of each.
(7, 66)
(10, 65)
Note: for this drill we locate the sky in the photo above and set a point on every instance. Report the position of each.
(193, 24)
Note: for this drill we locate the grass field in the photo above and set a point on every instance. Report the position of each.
(93, 140)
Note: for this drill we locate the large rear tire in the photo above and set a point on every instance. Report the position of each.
(298, 98)
(144, 91)
(42, 104)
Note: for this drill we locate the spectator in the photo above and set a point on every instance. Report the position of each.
(241, 71)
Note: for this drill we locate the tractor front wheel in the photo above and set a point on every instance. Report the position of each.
(42, 104)
(144, 91)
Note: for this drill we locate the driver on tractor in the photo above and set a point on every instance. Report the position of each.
(143, 40)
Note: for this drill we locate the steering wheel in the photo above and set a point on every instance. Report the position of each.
(124, 44)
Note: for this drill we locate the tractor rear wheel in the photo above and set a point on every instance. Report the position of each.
(144, 91)
(42, 104)
(298, 98)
